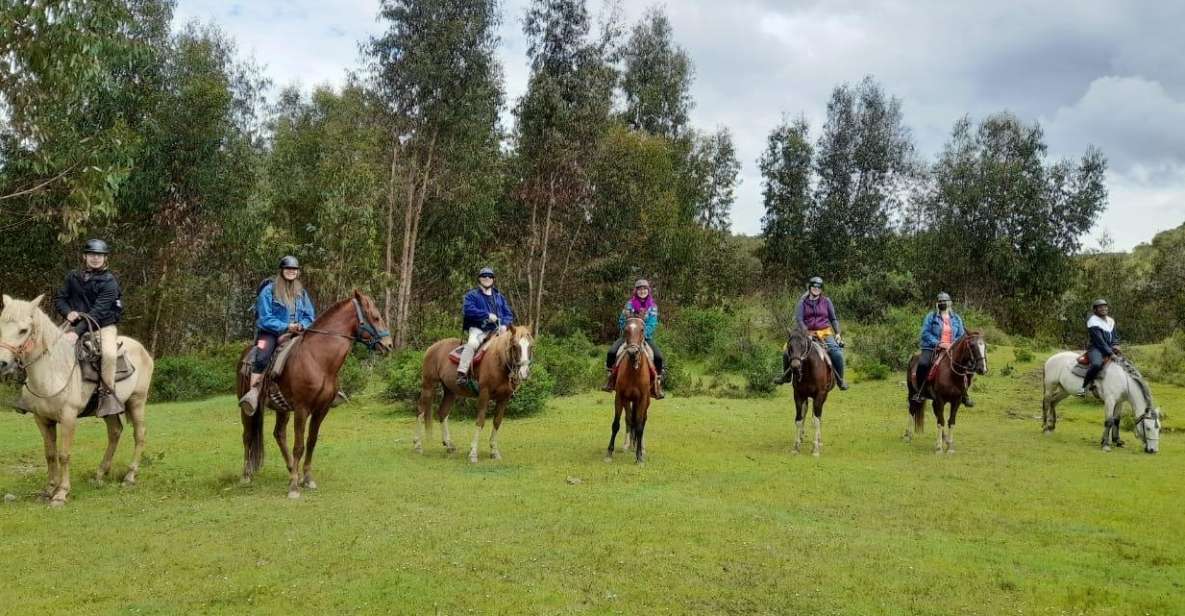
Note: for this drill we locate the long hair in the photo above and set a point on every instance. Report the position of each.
(287, 292)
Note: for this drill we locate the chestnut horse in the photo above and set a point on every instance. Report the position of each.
(632, 390)
(813, 379)
(504, 366)
(955, 369)
(308, 386)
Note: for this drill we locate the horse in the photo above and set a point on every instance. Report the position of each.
(308, 386)
(955, 369)
(635, 375)
(56, 394)
(813, 379)
(1117, 386)
(505, 365)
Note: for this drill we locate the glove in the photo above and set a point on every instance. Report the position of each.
(493, 318)
(501, 329)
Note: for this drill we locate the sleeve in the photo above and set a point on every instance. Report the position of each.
(60, 302)
(307, 313)
(928, 341)
(798, 312)
(832, 317)
(959, 327)
(506, 316)
(651, 321)
(621, 316)
(472, 307)
(268, 319)
(1098, 340)
(103, 311)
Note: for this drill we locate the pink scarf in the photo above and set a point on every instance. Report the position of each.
(642, 306)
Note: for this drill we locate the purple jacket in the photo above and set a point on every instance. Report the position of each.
(816, 314)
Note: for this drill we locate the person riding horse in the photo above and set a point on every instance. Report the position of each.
(283, 306)
(640, 303)
(484, 311)
(1104, 343)
(941, 329)
(93, 291)
(816, 314)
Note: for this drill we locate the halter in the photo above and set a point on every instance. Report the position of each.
(514, 368)
(18, 353)
(633, 349)
(364, 327)
(810, 346)
(969, 369)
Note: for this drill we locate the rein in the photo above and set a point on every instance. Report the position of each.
(25, 347)
(959, 368)
(364, 327)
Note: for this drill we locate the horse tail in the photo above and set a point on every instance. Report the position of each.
(919, 418)
(253, 440)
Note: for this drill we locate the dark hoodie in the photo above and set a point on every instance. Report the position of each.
(93, 293)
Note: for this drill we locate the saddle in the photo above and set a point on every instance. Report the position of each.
(90, 358)
(455, 356)
(621, 353)
(284, 346)
(1083, 364)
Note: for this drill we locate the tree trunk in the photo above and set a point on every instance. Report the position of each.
(389, 270)
(538, 311)
(160, 303)
(416, 195)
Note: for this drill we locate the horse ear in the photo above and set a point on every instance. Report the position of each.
(7, 300)
(36, 300)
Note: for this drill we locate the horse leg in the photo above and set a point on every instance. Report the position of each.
(298, 447)
(68, 424)
(799, 415)
(938, 405)
(499, 413)
(49, 437)
(617, 406)
(114, 429)
(423, 417)
(483, 401)
(640, 408)
(136, 409)
(817, 407)
(281, 434)
(314, 431)
(950, 426)
(446, 407)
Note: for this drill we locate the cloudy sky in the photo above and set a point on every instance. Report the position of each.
(1099, 72)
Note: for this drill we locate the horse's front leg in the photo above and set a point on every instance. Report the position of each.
(817, 407)
(114, 429)
(499, 413)
(301, 417)
(68, 423)
(483, 402)
(939, 406)
(617, 406)
(49, 437)
(799, 416)
(641, 407)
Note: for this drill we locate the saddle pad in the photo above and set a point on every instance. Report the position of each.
(123, 369)
(621, 353)
(1079, 370)
(280, 359)
(455, 356)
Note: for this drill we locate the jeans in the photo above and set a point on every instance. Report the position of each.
(265, 346)
(1096, 366)
(615, 348)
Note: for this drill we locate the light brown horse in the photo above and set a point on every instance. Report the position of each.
(632, 390)
(813, 379)
(503, 368)
(56, 394)
(955, 369)
(308, 386)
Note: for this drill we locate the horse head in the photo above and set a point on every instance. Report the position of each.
(635, 336)
(1148, 429)
(972, 353)
(18, 332)
(372, 329)
(798, 346)
(519, 346)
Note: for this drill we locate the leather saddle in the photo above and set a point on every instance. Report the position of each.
(455, 356)
(1083, 364)
(90, 359)
(284, 346)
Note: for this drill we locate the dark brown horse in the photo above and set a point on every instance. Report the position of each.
(308, 386)
(503, 368)
(813, 379)
(953, 371)
(632, 390)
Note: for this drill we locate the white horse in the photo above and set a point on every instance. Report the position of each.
(1115, 386)
(56, 394)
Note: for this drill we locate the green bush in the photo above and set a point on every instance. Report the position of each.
(404, 376)
(890, 342)
(572, 361)
(865, 298)
(1023, 355)
(190, 377)
(876, 372)
(759, 369)
(698, 332)
(533, 395)
(352, 377)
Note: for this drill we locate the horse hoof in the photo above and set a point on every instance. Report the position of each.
(310, 485)
(245, 481)
(608, 459)
(293, 494)
(57, 504)
(815, 453)
(495, 456)
(950, 452)
(130, 481)
(449, 449)
(473, 458)
(1106, 448)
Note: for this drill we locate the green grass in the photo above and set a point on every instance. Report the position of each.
(723, 518)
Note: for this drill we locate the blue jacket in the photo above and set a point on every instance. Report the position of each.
(1103, 335)
(477, 308)
(932, 329)
(273, 316)
(650, 319)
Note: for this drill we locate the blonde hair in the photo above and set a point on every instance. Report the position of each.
(287, 292)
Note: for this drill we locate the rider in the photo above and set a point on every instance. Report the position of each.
(94, 291)
(282, 307)
(816, 314)
(941, 329)
(641, 303)
(483, 311)
(1104, 342)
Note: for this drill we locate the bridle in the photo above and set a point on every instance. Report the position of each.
(374, 337)
(633, 349)
(23, 364)
(796, 373)
(966, 370)
(516, 368)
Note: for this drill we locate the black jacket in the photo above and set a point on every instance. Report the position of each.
(94, 293)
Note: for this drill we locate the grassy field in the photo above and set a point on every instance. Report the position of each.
(723, 518)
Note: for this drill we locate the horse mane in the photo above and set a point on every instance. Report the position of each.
(332, 309)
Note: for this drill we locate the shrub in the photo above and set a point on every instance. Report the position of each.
(573, 362)
(533, 395)
(759, 370)
(876, 372)
(1023, 355)
(404, 376)
(888, 343)
(698, 331)
(189, 377)
(865, 298)
(352, 377)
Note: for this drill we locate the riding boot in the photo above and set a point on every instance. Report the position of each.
(610, 380)
(108, 404)
(339, 399)
(657, 388)
(840, 383)
(781, 378)
(249, 403)
(462, 379)
(967, 401)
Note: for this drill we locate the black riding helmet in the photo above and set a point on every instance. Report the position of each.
(815, 282)
(96, 247)
(289, 262)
